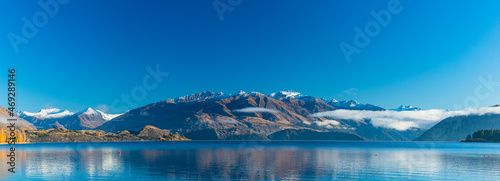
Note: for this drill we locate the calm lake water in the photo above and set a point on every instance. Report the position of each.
(231, 160)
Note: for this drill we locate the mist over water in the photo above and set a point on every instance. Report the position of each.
(221, 160)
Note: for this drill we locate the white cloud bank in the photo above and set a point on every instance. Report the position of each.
(49, 113)
(327, 123)
(403, 120)
(255, 109)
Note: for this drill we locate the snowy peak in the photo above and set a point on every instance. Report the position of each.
(246, 94)
(286, 94)
(344, 104)
(407, 108)
(207, 95)
(90, 111)
(108, 117)
(239, 93)
(55, 113)
(50, 110)
(49, 113)
(354, 105)
(85, 119)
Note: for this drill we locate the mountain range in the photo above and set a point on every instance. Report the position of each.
(86, 119)
(251, 115)
(255, 116)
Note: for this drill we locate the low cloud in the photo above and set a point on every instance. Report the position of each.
(255, 109)
(331, 124)
(403, 120)
(328, 123)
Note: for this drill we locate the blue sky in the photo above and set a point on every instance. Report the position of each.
(431, 54)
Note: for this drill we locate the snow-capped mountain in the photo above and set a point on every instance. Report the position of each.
(86, 119)
(286, 94)
(240, 115)
(407, 108)
(207, 95)
(108, 117)
(198, 97)
(354, 105)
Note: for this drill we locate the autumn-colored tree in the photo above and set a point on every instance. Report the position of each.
(3, 136)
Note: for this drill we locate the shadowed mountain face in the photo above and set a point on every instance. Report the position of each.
(458, 127)
(20, 123)
(305, 134)
(245, 116)
(21, 126)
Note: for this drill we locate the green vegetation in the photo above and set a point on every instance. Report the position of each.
(491, 135)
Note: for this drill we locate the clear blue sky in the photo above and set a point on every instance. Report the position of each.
(91, 52)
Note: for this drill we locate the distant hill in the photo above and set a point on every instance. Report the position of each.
(491, 135)
(458, 127)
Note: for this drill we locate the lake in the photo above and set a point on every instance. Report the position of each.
(255, 160)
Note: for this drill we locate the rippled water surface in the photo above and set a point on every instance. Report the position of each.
(289, 160)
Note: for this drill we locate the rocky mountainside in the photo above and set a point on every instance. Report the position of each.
(21, 126)
(86, 119)
(458, 127)
(219, 116)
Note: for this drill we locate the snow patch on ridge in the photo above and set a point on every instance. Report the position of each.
(286, 94)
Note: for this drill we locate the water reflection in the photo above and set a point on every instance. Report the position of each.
(266, 161)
